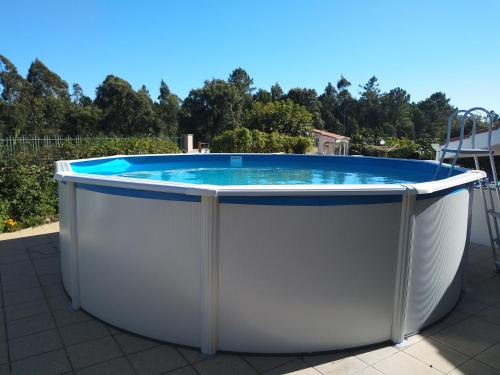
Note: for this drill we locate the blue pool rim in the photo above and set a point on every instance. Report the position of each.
(299, 194)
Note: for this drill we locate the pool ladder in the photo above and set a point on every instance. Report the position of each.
(491, 200)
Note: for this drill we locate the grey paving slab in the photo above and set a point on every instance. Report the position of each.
(59, 302)
(491, 356)
(93, 352)
(224, 364)
(51, 278)
(192, 355)
(118, 366)
(23, 296)
(470, 336)
(82, 332)
(157, 360)
(4, 358)
(37, 343)
(28, 326)
(265, 362)
(296, 367)
(25, 310)
(52, 363)
(68, 316)
(47, 266)
(474, 367)
(130, 343)
(183, 371)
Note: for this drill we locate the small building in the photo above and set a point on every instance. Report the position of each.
(327, 143)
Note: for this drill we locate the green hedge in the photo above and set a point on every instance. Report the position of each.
(404, 148)
(245, 140)
(28, 193)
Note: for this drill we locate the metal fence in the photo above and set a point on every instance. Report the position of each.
(11, 145)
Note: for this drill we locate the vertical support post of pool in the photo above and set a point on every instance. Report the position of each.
(75, 279)
(209, 273)
(403, 265)
(470, 189)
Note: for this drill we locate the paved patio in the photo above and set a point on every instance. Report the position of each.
(41, 334)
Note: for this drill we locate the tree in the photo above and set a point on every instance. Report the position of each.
(435, 110)
(347, 105)
(262, 96)
(282, 116)
(276, 91)
(167, 109)
(369, 104)
(45, 83)
(12, 83)
(329, 105)
(210, 110)
(397, 113)
(309, 99)
(125, 112)
(241, 80)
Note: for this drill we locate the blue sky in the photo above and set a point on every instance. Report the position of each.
(422, 46)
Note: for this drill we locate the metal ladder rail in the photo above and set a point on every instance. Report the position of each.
(491, 209)
(447, 143)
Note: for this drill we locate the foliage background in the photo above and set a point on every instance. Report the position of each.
(28, 192)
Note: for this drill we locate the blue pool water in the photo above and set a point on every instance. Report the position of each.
(213, 169)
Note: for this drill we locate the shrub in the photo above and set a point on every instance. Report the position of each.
(245, 140)
(28, 192)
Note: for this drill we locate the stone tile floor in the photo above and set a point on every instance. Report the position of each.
(41, 334)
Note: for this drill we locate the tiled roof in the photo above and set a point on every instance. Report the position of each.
(330, 135)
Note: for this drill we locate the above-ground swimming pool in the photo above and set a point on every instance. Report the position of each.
(264, 253)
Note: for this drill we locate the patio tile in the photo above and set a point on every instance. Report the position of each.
(315, 360)
(16, 285)
(14, 258)
(369, 371)
(491, 356)
(224, 364)
(51, 278)
(437, 355)
(132, 343)
(373, 355)
(37, 238)
(3, 352)
(23, 296)
(193, 355)
(484, 295)
(47, 266)
(183, 371)
(25, 310)
(68, 316)
(59, 302)
(28, 326)
(82, 332)
(491, 314)
(347, 365)
(470, 336)
(264, 363)
(157, 360)
(474, 367)
(475, 273)
(402, 363)
(469, 305)
(93, 352)
(118, 366)
(54, 290)
(296, 367)
(51, 363)
(38, 343)
(4, 370)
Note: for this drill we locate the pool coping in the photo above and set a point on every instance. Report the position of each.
(64, 173)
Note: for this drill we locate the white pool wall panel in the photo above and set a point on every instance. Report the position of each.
(437, 257)
(295, 279)
(139, 264)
